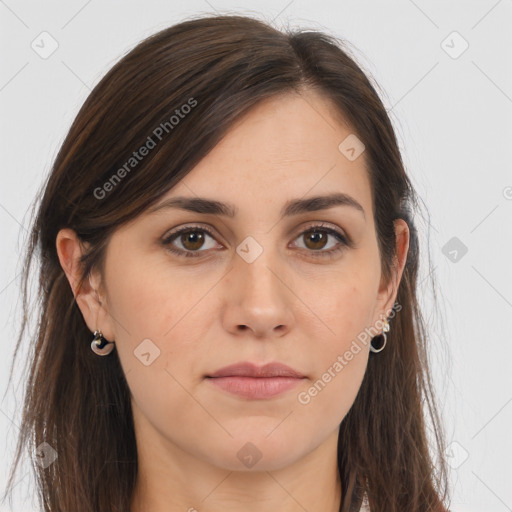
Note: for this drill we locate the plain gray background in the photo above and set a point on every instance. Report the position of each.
(445, 69)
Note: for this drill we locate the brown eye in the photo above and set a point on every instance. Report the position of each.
(189, 241)
(192, 240)
(315, 239)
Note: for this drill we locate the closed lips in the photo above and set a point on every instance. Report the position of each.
(248, 369)
(249, 381)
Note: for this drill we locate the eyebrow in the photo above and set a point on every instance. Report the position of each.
(292, 207)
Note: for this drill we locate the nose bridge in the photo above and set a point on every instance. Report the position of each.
(257, 294)
(258, 264)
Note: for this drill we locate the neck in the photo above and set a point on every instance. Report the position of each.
(170, 480)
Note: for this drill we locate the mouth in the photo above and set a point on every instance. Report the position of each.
(254, 382)
(248, 369)
(255, 388)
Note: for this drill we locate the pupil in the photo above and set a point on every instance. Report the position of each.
(316, 237)
(193, 238)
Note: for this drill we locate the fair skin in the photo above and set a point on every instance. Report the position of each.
(298, 308)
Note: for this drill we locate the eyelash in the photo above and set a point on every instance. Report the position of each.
(344, 241)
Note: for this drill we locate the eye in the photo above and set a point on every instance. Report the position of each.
(192, 239)
(316, 238)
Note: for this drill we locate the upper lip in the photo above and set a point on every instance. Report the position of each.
(247, 369)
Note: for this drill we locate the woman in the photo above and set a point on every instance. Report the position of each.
(228, 268)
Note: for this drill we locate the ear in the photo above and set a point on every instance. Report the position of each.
(388, 291)
(92, 305)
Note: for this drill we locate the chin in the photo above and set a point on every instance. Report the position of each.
(256, 453)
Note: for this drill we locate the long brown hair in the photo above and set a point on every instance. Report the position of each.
(220, 67)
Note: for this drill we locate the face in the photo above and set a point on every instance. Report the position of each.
(258, 286)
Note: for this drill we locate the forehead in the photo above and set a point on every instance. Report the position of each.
(286, 146)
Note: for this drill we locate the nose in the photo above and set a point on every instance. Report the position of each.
(257, 298)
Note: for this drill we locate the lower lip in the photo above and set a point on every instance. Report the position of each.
(255, 387)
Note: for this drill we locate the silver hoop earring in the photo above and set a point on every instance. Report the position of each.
(100, 345)
(385, 329)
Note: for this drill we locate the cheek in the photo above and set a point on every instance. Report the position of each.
(157, 317)
(344, 304)
(344, 307)
(149, 298)
(158, 344)
(332, 393)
